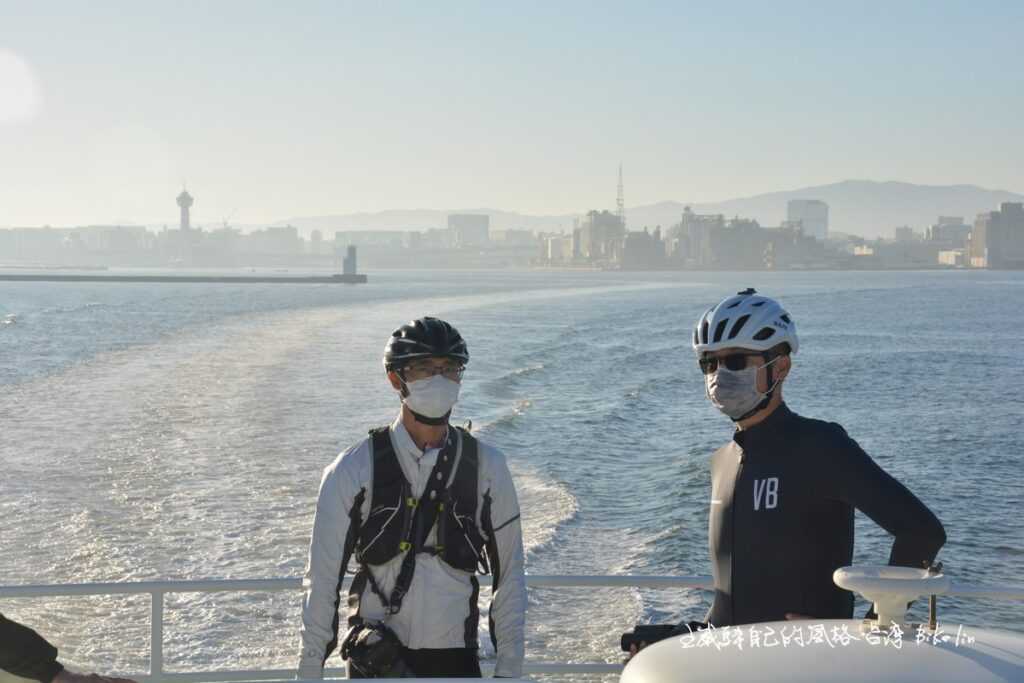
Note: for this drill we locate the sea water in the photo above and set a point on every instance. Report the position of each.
(163, 431)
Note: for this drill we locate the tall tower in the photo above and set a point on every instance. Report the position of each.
(185, 202)
(621, 202)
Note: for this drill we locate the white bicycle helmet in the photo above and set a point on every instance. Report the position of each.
(745, 321)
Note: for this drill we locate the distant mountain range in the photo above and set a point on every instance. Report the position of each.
(862, 207)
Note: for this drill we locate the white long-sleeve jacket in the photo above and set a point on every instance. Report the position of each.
(435, 610)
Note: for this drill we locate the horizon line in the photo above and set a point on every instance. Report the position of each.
(566, 215)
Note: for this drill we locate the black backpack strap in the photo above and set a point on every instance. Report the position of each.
(467, 479)
(355, 521)
(439, 492)
(384, 464)
(465, 489)
(386, 468)
(386, 472)
(495, 561)
(422, 520)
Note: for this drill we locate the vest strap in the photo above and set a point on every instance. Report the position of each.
(425, 510)
(355, 517)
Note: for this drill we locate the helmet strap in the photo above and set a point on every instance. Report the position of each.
(404, 391)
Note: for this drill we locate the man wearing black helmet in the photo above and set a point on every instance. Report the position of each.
(783, 490)
(422, 507)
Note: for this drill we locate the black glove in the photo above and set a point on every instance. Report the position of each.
(646, 634)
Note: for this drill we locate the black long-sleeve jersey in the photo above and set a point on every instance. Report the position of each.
(25, 653)
(783, 494)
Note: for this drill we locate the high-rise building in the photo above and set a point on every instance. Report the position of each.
(643, 250)
(690, 241)
(601, 236)
(904, 233)
(740, 245)
(812, 214)
(469, 229)
(950, 232)
(997, 240)
(977, 243)
(558, 248)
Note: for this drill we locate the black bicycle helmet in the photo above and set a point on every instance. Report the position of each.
(424, 338)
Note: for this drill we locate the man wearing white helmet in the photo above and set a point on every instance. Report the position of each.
(784, 489)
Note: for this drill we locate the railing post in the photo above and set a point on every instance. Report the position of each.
(156, 637)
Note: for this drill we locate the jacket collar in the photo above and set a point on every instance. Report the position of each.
(404, 445)
(765, 431)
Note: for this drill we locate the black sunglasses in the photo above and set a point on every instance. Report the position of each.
(734, 362)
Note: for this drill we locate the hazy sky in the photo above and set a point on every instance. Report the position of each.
(275, 109)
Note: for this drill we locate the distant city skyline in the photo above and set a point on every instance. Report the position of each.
(709, 241)
(868, 209)
(269, 111)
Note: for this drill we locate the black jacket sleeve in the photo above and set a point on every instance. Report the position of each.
(25, 653)
(870, 489)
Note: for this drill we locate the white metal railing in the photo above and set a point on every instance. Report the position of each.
(158, 589)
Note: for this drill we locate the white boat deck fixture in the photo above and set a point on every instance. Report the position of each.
(887, 648)
(158, 589)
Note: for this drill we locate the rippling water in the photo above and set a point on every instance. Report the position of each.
(179, 432)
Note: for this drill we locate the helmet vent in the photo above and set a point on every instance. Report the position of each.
(757, 304)
(704, 331)
(424, 338)
(765, 333)
(738, 326)
(785, 318)
(720, 329)
(734, 304)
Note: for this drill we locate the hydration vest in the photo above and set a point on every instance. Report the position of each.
(391, 526)
(398, 522)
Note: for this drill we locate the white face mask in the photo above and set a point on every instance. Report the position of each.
(734, 392)
(433, 397)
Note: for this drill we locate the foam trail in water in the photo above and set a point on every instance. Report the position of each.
(199, 456)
